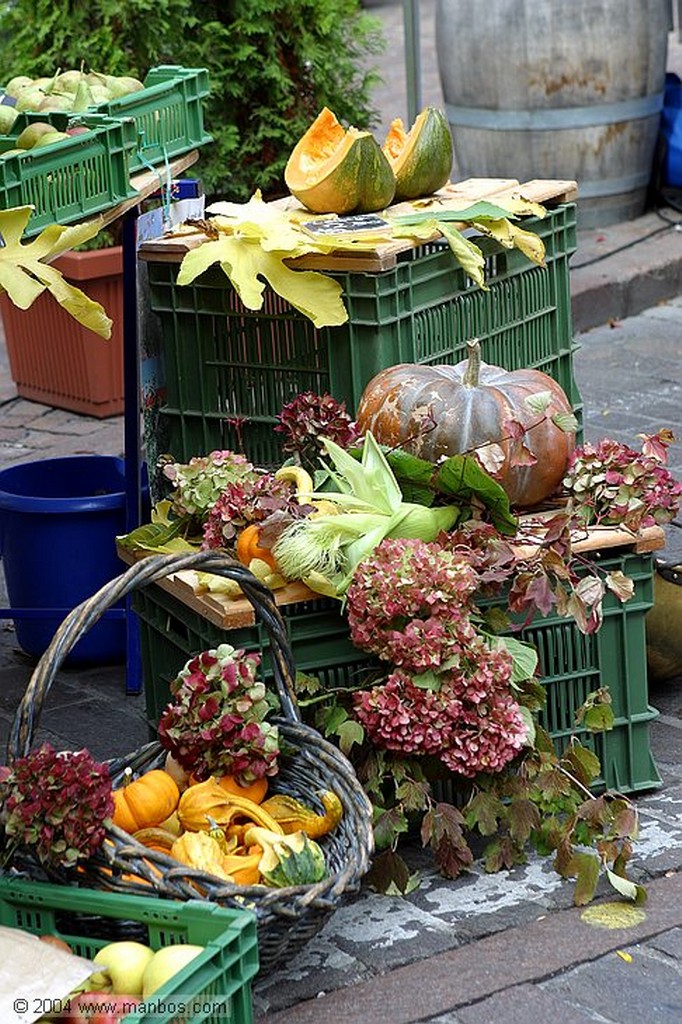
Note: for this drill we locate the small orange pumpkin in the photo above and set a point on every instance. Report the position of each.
(255, 791)
(146, 802)
(248, 547)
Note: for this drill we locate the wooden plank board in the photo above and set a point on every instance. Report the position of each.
(235, 613)
(455, 195)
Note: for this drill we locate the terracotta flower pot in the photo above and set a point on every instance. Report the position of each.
(55, 360)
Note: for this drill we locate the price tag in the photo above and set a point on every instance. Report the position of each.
(346, 225)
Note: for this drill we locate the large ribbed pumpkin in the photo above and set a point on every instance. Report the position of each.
(435, 411)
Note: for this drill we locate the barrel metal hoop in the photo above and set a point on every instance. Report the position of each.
(561, 119)
(613, 186)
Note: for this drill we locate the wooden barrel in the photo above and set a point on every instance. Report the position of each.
(547, 89)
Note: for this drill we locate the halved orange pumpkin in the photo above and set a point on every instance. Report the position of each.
(337, 170)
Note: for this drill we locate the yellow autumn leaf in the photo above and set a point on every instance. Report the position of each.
(467, 254)
(522, 207)
(249, 266)
(530, 244)
(25, 274)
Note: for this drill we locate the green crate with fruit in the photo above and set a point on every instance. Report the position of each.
(166, 107)
(191, 961)
(66, 166)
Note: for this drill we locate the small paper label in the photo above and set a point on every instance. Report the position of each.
(352, 224)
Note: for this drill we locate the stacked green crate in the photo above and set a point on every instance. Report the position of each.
(571, 665)
(228, 370)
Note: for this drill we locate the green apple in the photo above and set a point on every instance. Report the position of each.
(124, 966)
(165, 963)
(32, 132)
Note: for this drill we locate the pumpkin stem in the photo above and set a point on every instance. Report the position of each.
(473, 370)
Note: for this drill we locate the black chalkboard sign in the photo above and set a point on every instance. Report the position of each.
(350, 224)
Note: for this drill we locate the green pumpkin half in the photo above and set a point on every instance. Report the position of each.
(421, 159)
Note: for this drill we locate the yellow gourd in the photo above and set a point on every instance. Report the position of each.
(155, 838)
(293, 816)
(200, 850)
(209, 800)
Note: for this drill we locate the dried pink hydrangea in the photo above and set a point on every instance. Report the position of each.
(215, 724)
(56, 803)
(249, 501)
(409, 603)
(613, 484)
(471, 722)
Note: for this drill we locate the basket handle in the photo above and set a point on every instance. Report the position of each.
(148, 570)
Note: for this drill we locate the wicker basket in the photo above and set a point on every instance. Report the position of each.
(288, 917)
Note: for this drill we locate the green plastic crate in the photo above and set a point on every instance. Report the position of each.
(571, 665)
(222, 362)
(170, 633)
(168, 114)
(71, 179)
(215, 988)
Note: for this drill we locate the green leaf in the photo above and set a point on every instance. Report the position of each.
(586, 868)
(583, 763)
(333, 718)
(632, 891)
(427, 680)
(153, 536)
(388, 825)
(476, 211)
(565, 421)
(524, 656)
(389, 874)
(484, 812)
(529, 722)
(413, 795)
(350, 733)
(523, 818)
(467, 254)
(599, 718)
(462, 476)
(538, 402)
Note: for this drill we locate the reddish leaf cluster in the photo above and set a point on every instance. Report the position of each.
(57, 803)
(309, 418)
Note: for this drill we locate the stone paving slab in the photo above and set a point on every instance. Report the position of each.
(551, 945)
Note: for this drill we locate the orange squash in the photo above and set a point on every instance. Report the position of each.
(255, 791)
(146, 802)
(336, 170)
(248, 547)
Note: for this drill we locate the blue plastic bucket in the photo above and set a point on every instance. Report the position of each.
(58, 522)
